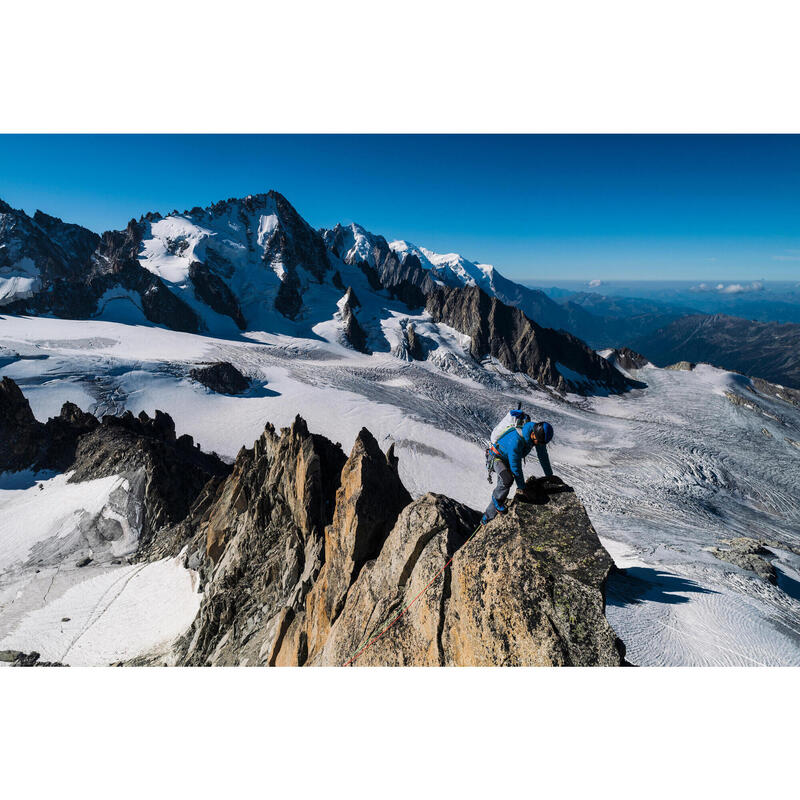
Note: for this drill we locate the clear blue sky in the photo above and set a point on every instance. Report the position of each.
(538, 207)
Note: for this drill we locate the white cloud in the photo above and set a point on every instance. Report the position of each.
(596, 282)
(787, 255)
(731, 288)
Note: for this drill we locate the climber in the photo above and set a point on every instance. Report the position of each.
(508, 448)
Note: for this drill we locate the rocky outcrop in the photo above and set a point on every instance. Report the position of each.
(776, 390)
(354, 334)
(42, 260)
(627, 359)
(214, 292)
(401, 275)
(48, 266)
(116, 264)
(748, 554)
(221, 377)
(521, 345)
(306, 556)
(259, 543)
(368, 501)
(413, 343)
(16, 658)
(166, 471)
(685, 366)
(21, 433)
(526, 590)
(165, 474)
(30, 444)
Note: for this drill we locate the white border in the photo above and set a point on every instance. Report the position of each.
(416, 66)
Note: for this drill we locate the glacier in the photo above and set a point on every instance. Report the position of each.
(666, 472)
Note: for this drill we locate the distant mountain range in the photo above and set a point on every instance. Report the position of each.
(763, 349)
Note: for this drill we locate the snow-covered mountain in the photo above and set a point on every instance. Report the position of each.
(451, 269)
(254, 265)
(400, 261)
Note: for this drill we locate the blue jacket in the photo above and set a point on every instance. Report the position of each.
(513, 448)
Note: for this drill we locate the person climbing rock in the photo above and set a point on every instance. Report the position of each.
(512, 440)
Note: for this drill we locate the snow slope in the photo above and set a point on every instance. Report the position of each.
(19, 281)
(665, 472)
(451, 269)
(105, 611)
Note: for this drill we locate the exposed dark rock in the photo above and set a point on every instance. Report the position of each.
(289, 299)
(84, 562)
(351, 299)
(413, 343)
(168, 472)
(776, 390)
(337, 281)
(16, 658)
(353, 332)
(20, 432)
(214, 292)
(518, 343)
(221, 377)
(409, 281)
(627, 359)
(403, 276)
(748, 402)
(76, 267)
(62, 434)
(60, 253)
(409, 294)
(28, 443)
(748, 554)
(116, 263)
(372, 276)
(300, 244)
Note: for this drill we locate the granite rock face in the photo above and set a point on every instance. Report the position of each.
(258, 542)
(521, 345)
(368, 501)
(526, 590)
(215, 293)
(306, 556)
(354, 333)
(384, 268)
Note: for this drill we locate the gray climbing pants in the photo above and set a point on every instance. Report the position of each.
(505, 480)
